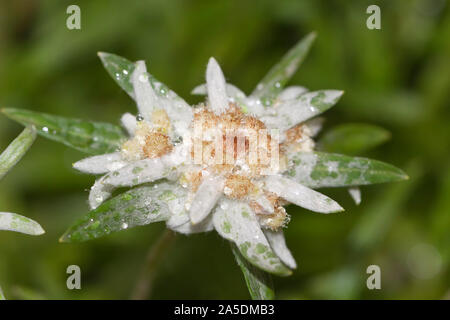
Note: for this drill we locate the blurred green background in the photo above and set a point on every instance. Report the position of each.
(397, 77)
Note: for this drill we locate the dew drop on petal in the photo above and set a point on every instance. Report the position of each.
(143, 77)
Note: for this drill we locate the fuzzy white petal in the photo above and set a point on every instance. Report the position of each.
(15, 222)
(101, 164)
(292, 112)
(292, 92)
(215, 82)
(178, 219)
(188, 228)
(205, 198)
(355, 193)
(301, 195)
(146, 97)
(129, 123)
(278, 244)
(200, 90)
(235, 221)
(142, 171)
(312, 127)
(255, 107)
(232, 91)
(265, 204)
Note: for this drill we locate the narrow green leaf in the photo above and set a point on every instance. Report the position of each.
(319, 169)
(120, 69)
(86, 136)
(274, 81)
(16, 150)
(2, 296)
(15, 222)
(353, 138)
(292, 112)
(136, 207)
(259, 283)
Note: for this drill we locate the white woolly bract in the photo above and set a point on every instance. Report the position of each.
(138, 172)
(129, 123)
(300, 195)
(101, 164)
(215, 82)
(231, 90)
(292, 92)
(292, 112)
(15, 222)
(355, 193)
(205, 198)
(278, 244)
(146, 98)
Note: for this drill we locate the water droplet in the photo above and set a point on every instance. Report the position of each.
(125, 71)
(277, 85)
(45, 129)
(143, 77)
(124, 225)
(139, 117)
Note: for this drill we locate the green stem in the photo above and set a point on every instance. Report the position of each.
(144, 284)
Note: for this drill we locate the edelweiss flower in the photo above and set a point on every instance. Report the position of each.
(200, 168)
(236, 199)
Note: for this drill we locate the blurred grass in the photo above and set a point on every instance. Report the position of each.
(396, 77)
